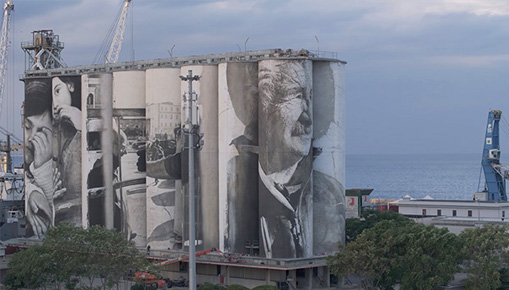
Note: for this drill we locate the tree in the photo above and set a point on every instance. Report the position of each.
(26, 269)
(70, 252)
(394, 252)
(369, 217)
(485, 249)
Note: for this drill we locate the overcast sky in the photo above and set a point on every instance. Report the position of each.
(421, 75)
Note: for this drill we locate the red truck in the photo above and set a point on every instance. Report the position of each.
(150, 279)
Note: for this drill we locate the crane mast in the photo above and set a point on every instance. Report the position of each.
(118, 37)
(4, 45)
(494, 172)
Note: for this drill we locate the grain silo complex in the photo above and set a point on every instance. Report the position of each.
(106, 145)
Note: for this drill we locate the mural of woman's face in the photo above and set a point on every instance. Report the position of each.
(61, 92)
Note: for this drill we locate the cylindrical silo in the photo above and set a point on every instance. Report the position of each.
(38, 140)
(329, 165)
(207, 229)
(129, 126)
(163, 120)
(285, 160)
(238, 158)
(97, 182)
(66, 112)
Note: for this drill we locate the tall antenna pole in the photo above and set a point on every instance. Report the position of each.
(4, 45)
(190, 125)
(8, 154)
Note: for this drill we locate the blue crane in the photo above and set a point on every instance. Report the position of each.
(495, 173)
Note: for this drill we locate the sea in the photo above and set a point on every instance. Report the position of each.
(392, 176)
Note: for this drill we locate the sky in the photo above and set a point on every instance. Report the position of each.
(421, 76)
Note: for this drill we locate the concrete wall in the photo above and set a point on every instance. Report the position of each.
(97, 90)
(163, 99)
(207, 206)
(328, 165)
(238, 158)
(129, 104)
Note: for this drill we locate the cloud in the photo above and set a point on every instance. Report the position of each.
(396, 50)
(476, 7)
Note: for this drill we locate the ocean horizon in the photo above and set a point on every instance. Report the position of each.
(392, 176)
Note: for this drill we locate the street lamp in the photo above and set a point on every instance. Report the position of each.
(190, 125)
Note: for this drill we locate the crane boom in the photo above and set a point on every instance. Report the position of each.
(493, 169)
(118, 38)
(4, 46)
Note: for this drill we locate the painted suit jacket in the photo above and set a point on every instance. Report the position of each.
(286, 215)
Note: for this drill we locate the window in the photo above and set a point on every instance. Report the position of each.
(453, 212)
(503, 213)
(423, 211)
(439, 212)
(469, 213)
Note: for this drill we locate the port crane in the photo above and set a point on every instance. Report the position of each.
(115, 37)
(4, 46)
(118, 39)
(6, 147)
(495, 173)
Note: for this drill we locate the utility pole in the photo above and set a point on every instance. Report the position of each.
(191, 123)
(8, 155)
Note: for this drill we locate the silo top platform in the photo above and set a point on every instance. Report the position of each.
(211, 59)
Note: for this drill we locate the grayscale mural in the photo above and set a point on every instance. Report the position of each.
(207, 226)
(98, 89)
(269, 175)
(129, 159)
(52, 134)
(285, 161)
(329, 156)
(163, 157)
(238, 152)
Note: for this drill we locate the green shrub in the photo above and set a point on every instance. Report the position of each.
(236, 287)
(209, 286)
(265, 287)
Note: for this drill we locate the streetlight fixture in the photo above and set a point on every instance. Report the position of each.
(190, 125)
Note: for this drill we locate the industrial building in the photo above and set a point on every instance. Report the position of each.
(107, 145)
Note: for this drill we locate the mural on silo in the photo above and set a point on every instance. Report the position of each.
(238, 157)
(101, 152)
(52, 152)
(206, 161)
(130, 154)
(269, 175)
(163, 156)
(328, 166)
(285, 157)
(207, 157)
